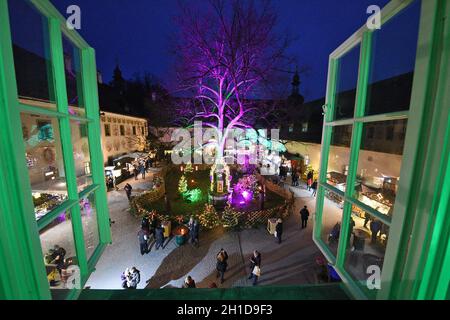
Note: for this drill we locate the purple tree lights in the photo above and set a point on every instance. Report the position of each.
(227, 51)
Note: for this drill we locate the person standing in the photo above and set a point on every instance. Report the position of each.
(309, 178)
(134, 277)
(142, 170)
(294, 178)
(194, 231)
(143, 241)
(153, 224)
(189, 282)
(255, 267)
(314, 188)
(57, 257)
(145, 224)
(128, 188)
(304, 214)
(366, 219)
(159, 236)
(375, 227)
(279, 230)
(135, 171)
(222, 264)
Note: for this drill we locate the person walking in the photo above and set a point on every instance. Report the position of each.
(128, 188)
(255, 267)
(143, 237)
(314, 188)
(279, 230)
(222, 264)
(304, 214)
(159, 236)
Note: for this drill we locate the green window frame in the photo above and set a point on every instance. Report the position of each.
(31, 282)
(401, 256)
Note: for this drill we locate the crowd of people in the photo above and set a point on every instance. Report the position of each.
(151, 229)
(141, 167)
(296, 174)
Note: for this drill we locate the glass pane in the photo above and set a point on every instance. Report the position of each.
(29, 32)
(367, 246)
(339, 156)
(81, 154)
(331, 220)
(44, 161)
(90, 224)
(72, 67)
(393, 61)
(379, 164)
(347, 79)
(58, 248)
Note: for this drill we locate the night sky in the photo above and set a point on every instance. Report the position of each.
(136, 33)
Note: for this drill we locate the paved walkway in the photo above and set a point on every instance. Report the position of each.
(124, 250)
(288, 263)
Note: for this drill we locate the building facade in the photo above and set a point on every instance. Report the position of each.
(122, 134)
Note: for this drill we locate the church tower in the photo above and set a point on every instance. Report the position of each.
(296, 99)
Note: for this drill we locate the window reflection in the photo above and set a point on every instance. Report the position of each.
(347, 79)
(72, 68)
(32, 62)
(331, 220)
(81, 154)
(90, 226)
(45, 164)
(58, 248)
(393, 62)
(339, 156)
(379, 164)
(368, 239)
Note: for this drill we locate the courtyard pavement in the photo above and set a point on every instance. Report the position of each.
(289, 263)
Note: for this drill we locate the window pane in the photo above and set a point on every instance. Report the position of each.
(90, 224)
(58, 248)
(393, 61)
(379, 164)
(339, 156)
(331, 220)
(72, 67)
(368, 239)
(81, 154)
(347, 79)
(29, 31)
(44, 161)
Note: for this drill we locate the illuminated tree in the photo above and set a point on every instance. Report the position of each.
(230, 218)
(227, 52)
(182, 185)
(209, 217)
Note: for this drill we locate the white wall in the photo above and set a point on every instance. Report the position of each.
(371, 164)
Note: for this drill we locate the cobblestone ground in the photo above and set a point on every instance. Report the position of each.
(288, 263)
